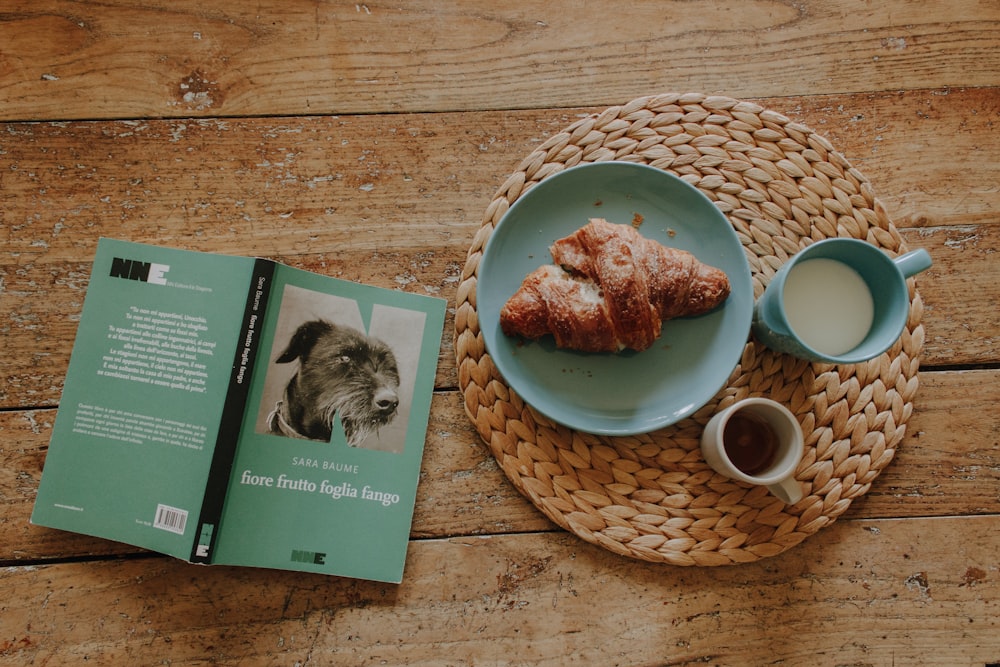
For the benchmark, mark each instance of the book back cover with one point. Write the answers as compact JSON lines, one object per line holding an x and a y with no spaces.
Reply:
{"x":139,"y":414}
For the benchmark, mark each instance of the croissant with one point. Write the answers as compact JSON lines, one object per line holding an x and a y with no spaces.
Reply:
{"x":609,"y":289}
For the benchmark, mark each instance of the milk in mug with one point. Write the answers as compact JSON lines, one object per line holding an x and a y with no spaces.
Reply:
{"x":828,"y":305}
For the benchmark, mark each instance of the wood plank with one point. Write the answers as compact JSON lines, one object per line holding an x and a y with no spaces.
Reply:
{"x":933,"y":156}
{"x":290,"y":186}
{"x":958,"y":292}
{"x":43,"y":302}
{"x":950,"y":457}
{"x":940,"y":470}
{"x":65,"y":59}
{"x":395,"y":201}
{"x":212,"y":180}
{"x":860,"y":593}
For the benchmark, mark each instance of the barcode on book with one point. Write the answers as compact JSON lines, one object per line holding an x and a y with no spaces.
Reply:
{"x":170,"y":518}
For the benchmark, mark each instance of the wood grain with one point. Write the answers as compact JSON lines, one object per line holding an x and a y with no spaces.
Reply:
{"x":364,"y":141}
{"x":298,"y":190}
{"x":234,"y":184}
{"x":862,"y":592}
{"x":66,"y":60}
{"x":947,"y":465}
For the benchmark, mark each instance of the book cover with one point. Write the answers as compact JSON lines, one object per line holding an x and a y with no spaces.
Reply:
{"x":233,"y":410}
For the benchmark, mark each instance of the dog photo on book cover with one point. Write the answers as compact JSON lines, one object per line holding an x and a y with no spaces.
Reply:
{"x":334,"y":377}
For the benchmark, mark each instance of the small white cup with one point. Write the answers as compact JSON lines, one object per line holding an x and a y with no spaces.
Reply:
{"x":765,"y":446}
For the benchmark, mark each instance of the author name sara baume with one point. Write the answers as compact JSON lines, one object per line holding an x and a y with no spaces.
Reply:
{"x":336,"y":466}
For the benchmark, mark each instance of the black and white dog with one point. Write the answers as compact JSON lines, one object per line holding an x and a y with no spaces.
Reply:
{"x":341,"y":372}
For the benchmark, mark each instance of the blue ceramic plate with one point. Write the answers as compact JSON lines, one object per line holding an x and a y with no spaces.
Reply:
{"x":627,"y":393}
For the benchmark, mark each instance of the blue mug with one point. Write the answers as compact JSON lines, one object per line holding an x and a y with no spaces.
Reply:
{"x":848,"y":308}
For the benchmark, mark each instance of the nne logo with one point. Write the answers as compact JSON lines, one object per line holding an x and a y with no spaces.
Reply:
{"x":133,"y":269}
{"x":308,"y":557}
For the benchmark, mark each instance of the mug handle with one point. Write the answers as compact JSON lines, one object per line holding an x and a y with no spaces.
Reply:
{"x":788,"y":490}
{"x":913,"y":262}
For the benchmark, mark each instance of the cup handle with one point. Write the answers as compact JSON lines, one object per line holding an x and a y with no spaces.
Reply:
{"x":913,"y":262}
{"x":788,"y":490}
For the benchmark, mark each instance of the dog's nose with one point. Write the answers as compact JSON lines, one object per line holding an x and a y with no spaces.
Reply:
{"x":386,"y":400}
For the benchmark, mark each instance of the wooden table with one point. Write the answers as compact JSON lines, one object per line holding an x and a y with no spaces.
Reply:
{"x":364,"y":141}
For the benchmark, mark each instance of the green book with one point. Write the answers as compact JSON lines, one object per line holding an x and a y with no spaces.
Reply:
{"x":237,"y":411}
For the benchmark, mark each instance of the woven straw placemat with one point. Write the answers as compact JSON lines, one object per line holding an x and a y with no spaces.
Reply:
{"x":652,"y":496}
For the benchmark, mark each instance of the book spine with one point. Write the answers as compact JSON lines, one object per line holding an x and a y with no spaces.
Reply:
{"x":232,"y":413}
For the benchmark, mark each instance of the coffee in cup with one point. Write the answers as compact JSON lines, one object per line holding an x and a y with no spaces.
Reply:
{"x":757,"y":441}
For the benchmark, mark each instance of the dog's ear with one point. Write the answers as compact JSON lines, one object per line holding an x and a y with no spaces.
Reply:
{"x":303,"y":340}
